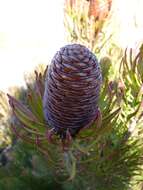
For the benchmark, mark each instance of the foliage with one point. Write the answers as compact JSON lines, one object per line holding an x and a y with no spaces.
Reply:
{"x":108,"y":154}
{"x":95,"y":32}
{"x":26,"y":169}
{"x":84,"y":27}
{"x":4,"y":112}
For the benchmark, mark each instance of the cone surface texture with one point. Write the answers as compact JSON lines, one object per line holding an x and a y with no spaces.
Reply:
{"x":72,"y":88}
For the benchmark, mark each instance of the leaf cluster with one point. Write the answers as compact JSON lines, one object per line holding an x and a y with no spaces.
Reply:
{"x":106,"y":155}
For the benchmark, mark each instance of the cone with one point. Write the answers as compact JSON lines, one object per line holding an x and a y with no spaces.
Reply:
{"x":72,"y":88}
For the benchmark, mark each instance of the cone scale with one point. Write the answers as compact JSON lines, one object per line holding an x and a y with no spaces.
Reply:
{"x":72,"y":88}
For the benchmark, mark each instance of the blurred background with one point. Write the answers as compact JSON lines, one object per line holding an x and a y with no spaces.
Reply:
{"x":32,"y":31}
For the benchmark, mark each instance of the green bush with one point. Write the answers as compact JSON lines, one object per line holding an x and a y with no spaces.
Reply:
{"x":108,"y":155}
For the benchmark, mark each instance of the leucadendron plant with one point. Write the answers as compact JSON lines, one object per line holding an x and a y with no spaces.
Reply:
{"x":85,"y":20}
{"x":88,"y":127}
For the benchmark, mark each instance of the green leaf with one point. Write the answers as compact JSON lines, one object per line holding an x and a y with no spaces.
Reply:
{"x":70,"y":163}
{"x":108,"y":118}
